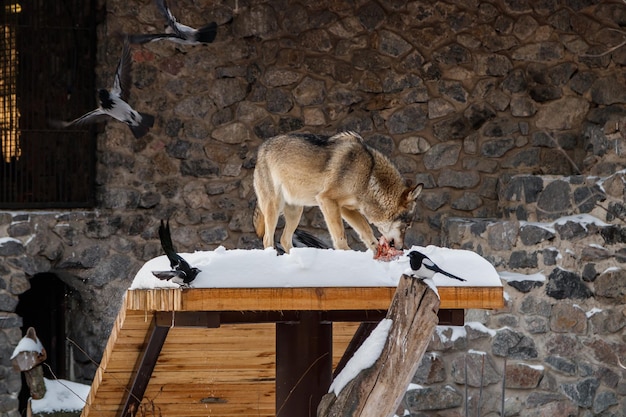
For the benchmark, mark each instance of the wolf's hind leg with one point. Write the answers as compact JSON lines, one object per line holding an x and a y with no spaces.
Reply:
{"x":271,"y":211}
{"x":332,"y":216}
{"x":292,"y":218}
{"x":361,"y":225}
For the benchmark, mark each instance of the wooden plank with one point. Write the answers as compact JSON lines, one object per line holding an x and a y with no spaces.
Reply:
{"x":301,"y":299}
{"x":118,"y":325}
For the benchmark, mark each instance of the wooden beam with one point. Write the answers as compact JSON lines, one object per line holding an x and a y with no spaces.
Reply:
{"x":299,"y":299}
{"x":143,"y":369}
{"x":187,"y":319}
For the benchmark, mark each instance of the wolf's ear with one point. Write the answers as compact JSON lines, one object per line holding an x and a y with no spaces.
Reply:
{"x":411,"y":193}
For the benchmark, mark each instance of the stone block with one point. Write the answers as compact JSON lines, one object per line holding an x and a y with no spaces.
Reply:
{"x":433,"y":398}
{"x":568,"y":318}
{"x":582,"y":392}
{"x":523,"y":376}
{"x":514,"y":345}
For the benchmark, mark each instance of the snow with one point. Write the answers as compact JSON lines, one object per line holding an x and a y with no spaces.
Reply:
{"x":593,"y":312}
{"x":450,"y":333}
{"x":479,"y":327}
{"x":453,"y":333}
{"x":26,"y":344}
{"x":412,"y":386}
{"x":514,"y":276}
{"x":311,"y":267}
{"x":365,"y":356}
{"x":4,"y":240}
{"x":583,"y":219}
{"x":61,"y":395}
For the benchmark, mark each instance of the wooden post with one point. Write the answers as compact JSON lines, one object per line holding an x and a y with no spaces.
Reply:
{"x":378,"y":390}
{"x":304,"y":363}
{"x":29,"y":362}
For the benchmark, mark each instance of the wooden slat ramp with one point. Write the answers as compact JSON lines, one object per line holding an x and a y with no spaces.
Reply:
{"x":229,"y":370}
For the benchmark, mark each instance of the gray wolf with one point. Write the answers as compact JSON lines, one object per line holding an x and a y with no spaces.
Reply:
{"x":340,"y":174}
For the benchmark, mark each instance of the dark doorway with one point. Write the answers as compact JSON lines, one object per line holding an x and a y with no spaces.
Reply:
{"x":43,"y":307}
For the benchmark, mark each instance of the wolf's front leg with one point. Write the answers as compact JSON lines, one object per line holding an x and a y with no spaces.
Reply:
{"x":362,"y":227}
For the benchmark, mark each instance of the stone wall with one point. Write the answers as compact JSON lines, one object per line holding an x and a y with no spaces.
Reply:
{"x":471,"y":98}
{"x":555,"y":348}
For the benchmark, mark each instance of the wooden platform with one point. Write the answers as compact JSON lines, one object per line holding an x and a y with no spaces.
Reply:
{"x":230,"y":370}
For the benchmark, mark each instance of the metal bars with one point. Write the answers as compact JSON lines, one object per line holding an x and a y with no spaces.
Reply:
{"x":47,"y":62}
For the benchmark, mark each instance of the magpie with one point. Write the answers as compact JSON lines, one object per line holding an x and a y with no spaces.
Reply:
{"x":423,"y":267}
{"x":302,"y":239}
{"x":113,"y":103}
{"x":182,"y":273}
{"x":177,"y":32}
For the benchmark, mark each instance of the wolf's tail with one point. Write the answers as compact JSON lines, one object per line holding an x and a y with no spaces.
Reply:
{"x":258,"y":220}
{"x":206,"y":34}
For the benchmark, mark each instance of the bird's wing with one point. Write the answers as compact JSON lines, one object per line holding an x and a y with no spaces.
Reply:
{"x":171,"y":20}
{"x":93,"y":116}
{"x":149,"y":37}
{"x":123,"y":77}
{"x":167,"y":275}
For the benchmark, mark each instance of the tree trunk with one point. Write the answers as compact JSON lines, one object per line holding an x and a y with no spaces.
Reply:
{"x":378,"y":390}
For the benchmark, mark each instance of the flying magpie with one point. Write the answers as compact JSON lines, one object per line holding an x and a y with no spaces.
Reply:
{"x":177,"y":32}
{"x":113,"y":103}
{"x":182,"y":273}
{"x":423,"y":267}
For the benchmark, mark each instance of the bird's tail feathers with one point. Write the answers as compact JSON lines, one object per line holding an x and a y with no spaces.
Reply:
{"x":207,"y":33}
{"x":452,"y":276}
{"x":147,"y":121}
{"x":306,"y":239}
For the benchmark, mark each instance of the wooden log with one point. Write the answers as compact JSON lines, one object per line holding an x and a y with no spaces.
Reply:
{"x":29,"y":362}
{"x":378,"y":390}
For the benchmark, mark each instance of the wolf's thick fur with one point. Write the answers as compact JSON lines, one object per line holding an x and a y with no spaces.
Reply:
{"x":340,"y":174}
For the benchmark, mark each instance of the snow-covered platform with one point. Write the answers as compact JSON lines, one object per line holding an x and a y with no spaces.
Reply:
{"x":229,"y":345}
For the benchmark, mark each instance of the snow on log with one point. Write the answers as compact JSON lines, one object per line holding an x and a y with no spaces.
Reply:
{"x":377,"y":388}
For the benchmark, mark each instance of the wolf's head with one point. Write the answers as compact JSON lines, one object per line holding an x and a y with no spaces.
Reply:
{"x":395,"y":229}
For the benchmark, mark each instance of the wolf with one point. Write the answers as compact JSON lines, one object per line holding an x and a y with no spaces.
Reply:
{"x":340,"y":174}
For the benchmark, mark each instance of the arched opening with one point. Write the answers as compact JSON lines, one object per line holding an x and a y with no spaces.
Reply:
{"x":43,"y":307}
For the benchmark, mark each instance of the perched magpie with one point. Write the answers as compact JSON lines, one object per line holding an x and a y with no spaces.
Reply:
{"x":423,"y":267}
{"x":182,"y":272}
{"x":113,"y":103}
{"x":302,"y":239}
{"x":177,"y":32}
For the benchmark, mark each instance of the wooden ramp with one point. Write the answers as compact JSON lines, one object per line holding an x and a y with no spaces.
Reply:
{"x":218,"y":356}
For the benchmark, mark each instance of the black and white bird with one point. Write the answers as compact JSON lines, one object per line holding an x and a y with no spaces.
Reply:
{"x":182,"y":273}
{"x":423,"y":267}
{"x":302,"y":239}
{"x":177,"y":32}
{"x":113,"y":102}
